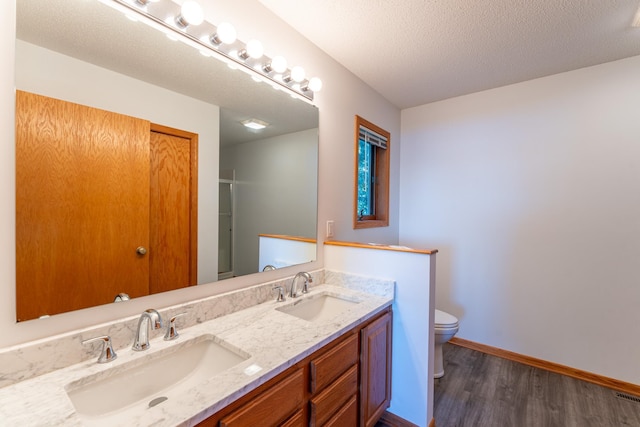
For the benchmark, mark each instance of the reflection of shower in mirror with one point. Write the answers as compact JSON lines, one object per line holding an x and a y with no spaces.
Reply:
{"x":225,"y":224}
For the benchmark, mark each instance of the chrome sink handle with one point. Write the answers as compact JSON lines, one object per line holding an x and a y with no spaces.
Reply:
{"x":280,"y":296}
{"x":172,"y":330}
{"x":107,"y":354}
{"x":307,"y":280}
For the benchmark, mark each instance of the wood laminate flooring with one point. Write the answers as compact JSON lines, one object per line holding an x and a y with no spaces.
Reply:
{"x":390,"y":420}
{"x":480,"y":390}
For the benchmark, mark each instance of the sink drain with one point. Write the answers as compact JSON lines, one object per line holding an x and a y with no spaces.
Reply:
{"x":157,"y":401}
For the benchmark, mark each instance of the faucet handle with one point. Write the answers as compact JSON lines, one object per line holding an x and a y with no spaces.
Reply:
{"x":107,"y":354}
{"x":305,"y":285}
{"x":280,"y":296}
{"x":172,"y":330}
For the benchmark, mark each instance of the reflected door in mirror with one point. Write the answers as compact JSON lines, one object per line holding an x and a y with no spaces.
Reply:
{"x":174,"y":208}
{"x":83,"y":206}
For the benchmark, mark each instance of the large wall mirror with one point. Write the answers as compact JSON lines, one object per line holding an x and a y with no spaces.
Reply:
{"x":243,"y":187}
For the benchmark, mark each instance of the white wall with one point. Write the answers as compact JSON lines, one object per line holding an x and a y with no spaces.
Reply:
{"x":271,"y":193}
{"x":342,"y":97}
{"x":49,"y":73}
{"x":281,"y":252}
{"x":7,"y":171}
{"x":413,"y":312}
{"x":532,"y":194}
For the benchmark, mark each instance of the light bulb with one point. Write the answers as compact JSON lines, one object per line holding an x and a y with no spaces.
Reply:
{"x":190,"y":14}
{"x":297,"y":74}
{"x":226,"y":33}
{"x":279,"y":64}
{"x":315,"y":84}
{"x":254,"y":49}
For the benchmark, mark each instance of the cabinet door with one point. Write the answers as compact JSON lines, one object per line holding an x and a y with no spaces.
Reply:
{"x":375,"y":363}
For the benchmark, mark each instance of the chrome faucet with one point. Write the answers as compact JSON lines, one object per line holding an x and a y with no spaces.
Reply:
{"x":305,"y":287}
{"x":149,"y":320}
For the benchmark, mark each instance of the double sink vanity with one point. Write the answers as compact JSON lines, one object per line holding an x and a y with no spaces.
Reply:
{"x":320,"y":358}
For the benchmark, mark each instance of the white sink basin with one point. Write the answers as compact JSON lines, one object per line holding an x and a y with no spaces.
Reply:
{"x":318,"y":308}
{"x":147,"y":382}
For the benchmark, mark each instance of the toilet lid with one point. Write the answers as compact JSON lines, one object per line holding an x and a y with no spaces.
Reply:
{"x":445,"y":319}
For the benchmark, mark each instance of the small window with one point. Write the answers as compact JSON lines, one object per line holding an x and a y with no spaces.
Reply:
{"x":372,"y":175}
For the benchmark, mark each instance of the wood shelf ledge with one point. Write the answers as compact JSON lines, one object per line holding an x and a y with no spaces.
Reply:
{"x":285,"y":237}
{"x":381,"y":247}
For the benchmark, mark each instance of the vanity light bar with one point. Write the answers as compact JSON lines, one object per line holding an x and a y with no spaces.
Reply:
{"x":169,"y":18}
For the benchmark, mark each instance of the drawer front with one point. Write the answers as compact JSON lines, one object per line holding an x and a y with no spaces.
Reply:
{"x":326,"y":368}
{"x":346,"y":416}
{"x":271,"y":407}
{"x":297,"y":420}
{"x":327,"y":402}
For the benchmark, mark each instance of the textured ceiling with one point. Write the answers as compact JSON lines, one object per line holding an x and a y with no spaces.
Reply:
{"x":418,"y":51}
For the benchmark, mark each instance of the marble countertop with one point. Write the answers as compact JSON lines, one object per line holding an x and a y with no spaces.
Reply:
{"x":273,"y":340}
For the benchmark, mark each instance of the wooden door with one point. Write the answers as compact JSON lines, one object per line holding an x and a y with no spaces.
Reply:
{"x":82,"y":205}
{"x":173,"y":221}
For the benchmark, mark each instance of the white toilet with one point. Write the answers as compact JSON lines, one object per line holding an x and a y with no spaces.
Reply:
{"x":445,"y":328}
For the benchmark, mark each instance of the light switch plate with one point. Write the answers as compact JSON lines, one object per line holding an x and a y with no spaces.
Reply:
{"x":330,"y":229}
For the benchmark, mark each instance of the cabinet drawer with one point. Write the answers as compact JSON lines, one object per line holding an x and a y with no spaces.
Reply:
{"x":327,"y":402}
{"x":271,"y":407}
{"x":296,"y":420}
{"x":346,"y":416}
{"x":326,"y":368}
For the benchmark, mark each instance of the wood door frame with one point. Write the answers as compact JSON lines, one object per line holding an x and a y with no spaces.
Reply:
{"x":193,"y":193}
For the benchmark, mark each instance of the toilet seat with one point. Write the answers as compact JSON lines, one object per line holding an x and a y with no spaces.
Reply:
{"x":445,"y":320}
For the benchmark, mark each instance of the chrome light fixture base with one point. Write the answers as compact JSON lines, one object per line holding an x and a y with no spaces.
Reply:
{"x":205,"y":38}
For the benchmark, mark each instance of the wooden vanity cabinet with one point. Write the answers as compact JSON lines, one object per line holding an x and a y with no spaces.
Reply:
{"x":272,"y":407}
{"x":296,"y":420}
{"x":335,"y":361}
{"x":333,"y":398}
{"x":346,"y":416}
{"x":375,"y":370}
{"x":278,"y":402}
{"x":345,"y":383}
